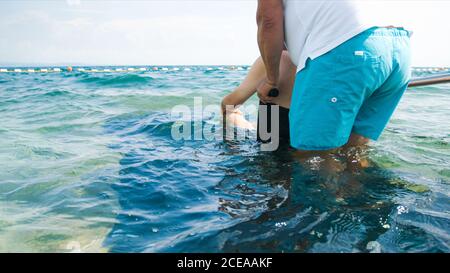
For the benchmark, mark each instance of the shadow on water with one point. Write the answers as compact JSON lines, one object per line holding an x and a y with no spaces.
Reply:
{"x":203,"y":196}
{"x":319,"y":214}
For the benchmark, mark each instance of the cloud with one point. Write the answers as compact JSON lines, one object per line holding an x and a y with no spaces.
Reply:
{"x":73,"y":2}
{"x":158,"y":40}
{"x":183,"y":32}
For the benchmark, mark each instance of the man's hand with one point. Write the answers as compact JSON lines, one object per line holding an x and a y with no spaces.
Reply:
{"x":264,"y":89}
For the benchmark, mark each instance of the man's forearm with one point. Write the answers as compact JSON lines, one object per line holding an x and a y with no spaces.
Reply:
{"x":270,"y":36}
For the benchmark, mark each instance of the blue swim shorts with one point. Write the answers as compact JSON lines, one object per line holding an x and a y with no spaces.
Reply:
{"x":353,"y":88}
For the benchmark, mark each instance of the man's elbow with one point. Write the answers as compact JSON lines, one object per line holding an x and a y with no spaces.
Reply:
{"x":268,"y":21}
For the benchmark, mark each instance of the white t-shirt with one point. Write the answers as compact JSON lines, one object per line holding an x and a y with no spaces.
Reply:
{"x":312,"y":28}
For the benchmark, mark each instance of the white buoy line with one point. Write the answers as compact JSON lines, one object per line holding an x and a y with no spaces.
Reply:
{"x":161,"y":68}
{"x":430,"y":69}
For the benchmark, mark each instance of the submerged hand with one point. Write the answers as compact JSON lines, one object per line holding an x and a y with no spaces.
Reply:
{"x":264,"y":89}
{"x":237,"y":119}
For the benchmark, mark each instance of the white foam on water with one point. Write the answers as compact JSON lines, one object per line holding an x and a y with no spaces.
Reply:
{"x":74,"y":247}
{"x":57,"y":69}
{"x":17,"y":70}
{"x":3,"y":70}
{"x":142,"y":69}
{"x":402,"y":209}
{"x":373,"y":247}
{"x":44,"y":70}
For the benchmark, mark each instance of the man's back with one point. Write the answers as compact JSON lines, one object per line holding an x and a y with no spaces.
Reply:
{"x":312,"y":28}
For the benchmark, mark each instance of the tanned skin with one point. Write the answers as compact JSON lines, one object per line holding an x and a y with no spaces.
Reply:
{"x":270,"y":21}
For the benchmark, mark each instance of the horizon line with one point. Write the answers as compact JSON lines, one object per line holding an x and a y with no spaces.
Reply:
{"x":10,"y":65}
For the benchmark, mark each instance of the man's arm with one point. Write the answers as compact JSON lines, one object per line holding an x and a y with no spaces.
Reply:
{"x":248,"y":86}
{"x":270,"y":18}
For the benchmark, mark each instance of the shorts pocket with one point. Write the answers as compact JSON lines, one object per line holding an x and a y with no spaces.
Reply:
{"x":354,"y":77}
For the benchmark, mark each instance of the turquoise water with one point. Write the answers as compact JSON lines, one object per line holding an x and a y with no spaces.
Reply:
{"x":87,"y":163}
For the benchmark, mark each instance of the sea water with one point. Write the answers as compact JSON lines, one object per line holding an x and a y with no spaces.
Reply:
{"x":88,"y":164}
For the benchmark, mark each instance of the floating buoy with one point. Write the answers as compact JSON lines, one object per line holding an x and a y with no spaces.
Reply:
{"x":155,"y":69}
{"x":69,"y":69}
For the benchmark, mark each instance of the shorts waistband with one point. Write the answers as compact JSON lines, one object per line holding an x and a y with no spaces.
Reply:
{"x":388,"y":31}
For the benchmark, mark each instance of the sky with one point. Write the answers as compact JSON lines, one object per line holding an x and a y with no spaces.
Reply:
{"x":182,"y":32}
